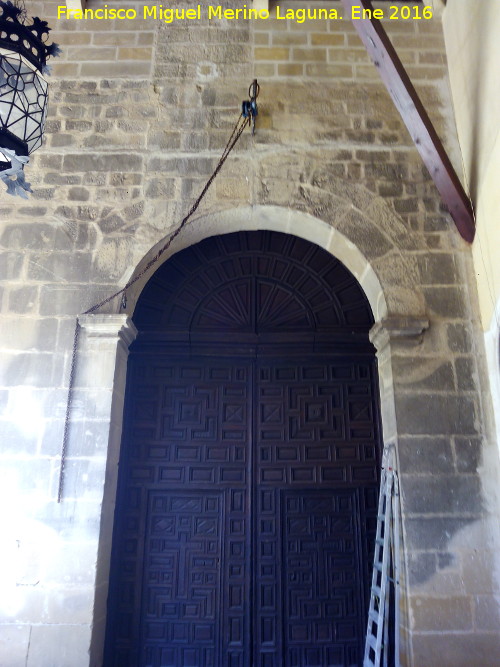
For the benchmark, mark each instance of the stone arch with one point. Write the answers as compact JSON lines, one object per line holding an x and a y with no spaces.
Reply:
{"x":369,"y":241}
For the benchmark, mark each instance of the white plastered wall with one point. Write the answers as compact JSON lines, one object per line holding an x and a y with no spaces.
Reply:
{"x":471,"y":29}
{"x":492,"y":347}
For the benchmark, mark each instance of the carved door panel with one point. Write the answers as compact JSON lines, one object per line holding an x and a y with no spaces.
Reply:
{"x":248,"y":504}
{"x":182,"y":580}
{"x":316,"y":498}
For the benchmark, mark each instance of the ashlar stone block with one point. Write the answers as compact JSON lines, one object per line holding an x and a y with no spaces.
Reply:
{"x":459,"y":649}
{"x":441,"y":494}
{"x":433,"y":533}
{"x":11,"y":264}
{"x":438,"y":614}
{"x":424,"y":373}
{"x":14,"y":642}
{"x":426,"y":455}
{"x":57,"y":645}
{"x":436,"y":414}
{"x":487,"y":612}
{"x":468,"y":453}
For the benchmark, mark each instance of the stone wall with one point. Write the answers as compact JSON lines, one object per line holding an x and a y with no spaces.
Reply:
{"x":139,"y":113}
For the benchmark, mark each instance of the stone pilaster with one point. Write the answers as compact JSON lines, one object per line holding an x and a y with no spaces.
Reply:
{"x":396,"y":335}
{"x":100,"y":386}
{"x":393,"y":334}
{"x":79,"y":557}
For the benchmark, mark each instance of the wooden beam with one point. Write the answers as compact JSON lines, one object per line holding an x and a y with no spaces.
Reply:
{"x":415,"y":117}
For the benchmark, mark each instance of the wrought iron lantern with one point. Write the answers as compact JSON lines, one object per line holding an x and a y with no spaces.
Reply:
{"x":23,"y":91}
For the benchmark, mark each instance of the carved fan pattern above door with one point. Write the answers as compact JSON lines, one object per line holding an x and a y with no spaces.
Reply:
{"x":258,"y":285}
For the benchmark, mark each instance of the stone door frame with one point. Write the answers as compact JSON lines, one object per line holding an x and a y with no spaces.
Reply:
{"x":101,"y":377}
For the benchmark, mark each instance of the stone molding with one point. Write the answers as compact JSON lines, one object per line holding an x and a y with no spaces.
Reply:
{"x":261,"y":5}
{"x":76,"y":4}
{"x":438,"y":6}
{"x":406,"y":330}
{"x":109,"y":326}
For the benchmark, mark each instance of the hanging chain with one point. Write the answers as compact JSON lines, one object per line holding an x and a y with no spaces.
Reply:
{"x":238,"y":129}
{"x":69,"y":405}
{"x":236,"y":134}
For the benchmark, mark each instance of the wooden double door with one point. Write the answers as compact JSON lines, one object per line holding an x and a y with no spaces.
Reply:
{"x":246,"y":513}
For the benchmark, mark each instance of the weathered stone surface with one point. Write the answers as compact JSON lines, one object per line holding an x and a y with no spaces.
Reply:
{"x":426,"y":455}
{"x":14,"y":642}
{"x":11,"y":264}
{"x":421,"y":567}
{"x":365,"y":236}
{"x":161,"y":188}
{"x":23,"y":300}
{"x":424,"y":373}
{"x":468,"y":453}
{"x":66,"y":300}
{"x":81,"y":162}
{"x":441,"y":494}
{"x":466,"y":373}
{"x":457,"y":649}
{"x":78,"y":194}
{"x":32,"y":475}
{"x":84,"y":477}
{"x":433,"y":533}
{"x":446,"y":301}
{"x":487,"y":612}
{"x":17,"y":439}
{"x":459,"y":338}
{"x":37,"y":236}
{"x":436,"y":415}
{"x":61,"y":266}
{"x":478,"y":569}
{"x":441,"y":614}
{"x":37,"y":369}
{"x":52,"y":645}
{"x":437,"y":269}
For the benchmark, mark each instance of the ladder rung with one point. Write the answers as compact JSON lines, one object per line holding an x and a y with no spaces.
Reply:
{"x":384,"y":571}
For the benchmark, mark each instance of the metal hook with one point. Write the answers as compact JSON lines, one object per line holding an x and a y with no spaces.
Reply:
{"x":254,"y":90}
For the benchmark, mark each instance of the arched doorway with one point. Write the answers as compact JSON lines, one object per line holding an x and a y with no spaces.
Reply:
{"x":248,"y":483}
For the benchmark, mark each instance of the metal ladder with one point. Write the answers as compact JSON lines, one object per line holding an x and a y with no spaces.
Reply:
{"x":386,"y":568}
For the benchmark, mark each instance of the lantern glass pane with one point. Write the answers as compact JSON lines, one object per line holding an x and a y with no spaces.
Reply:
{"x":23,"y":93}
{"x":23,"y":99}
